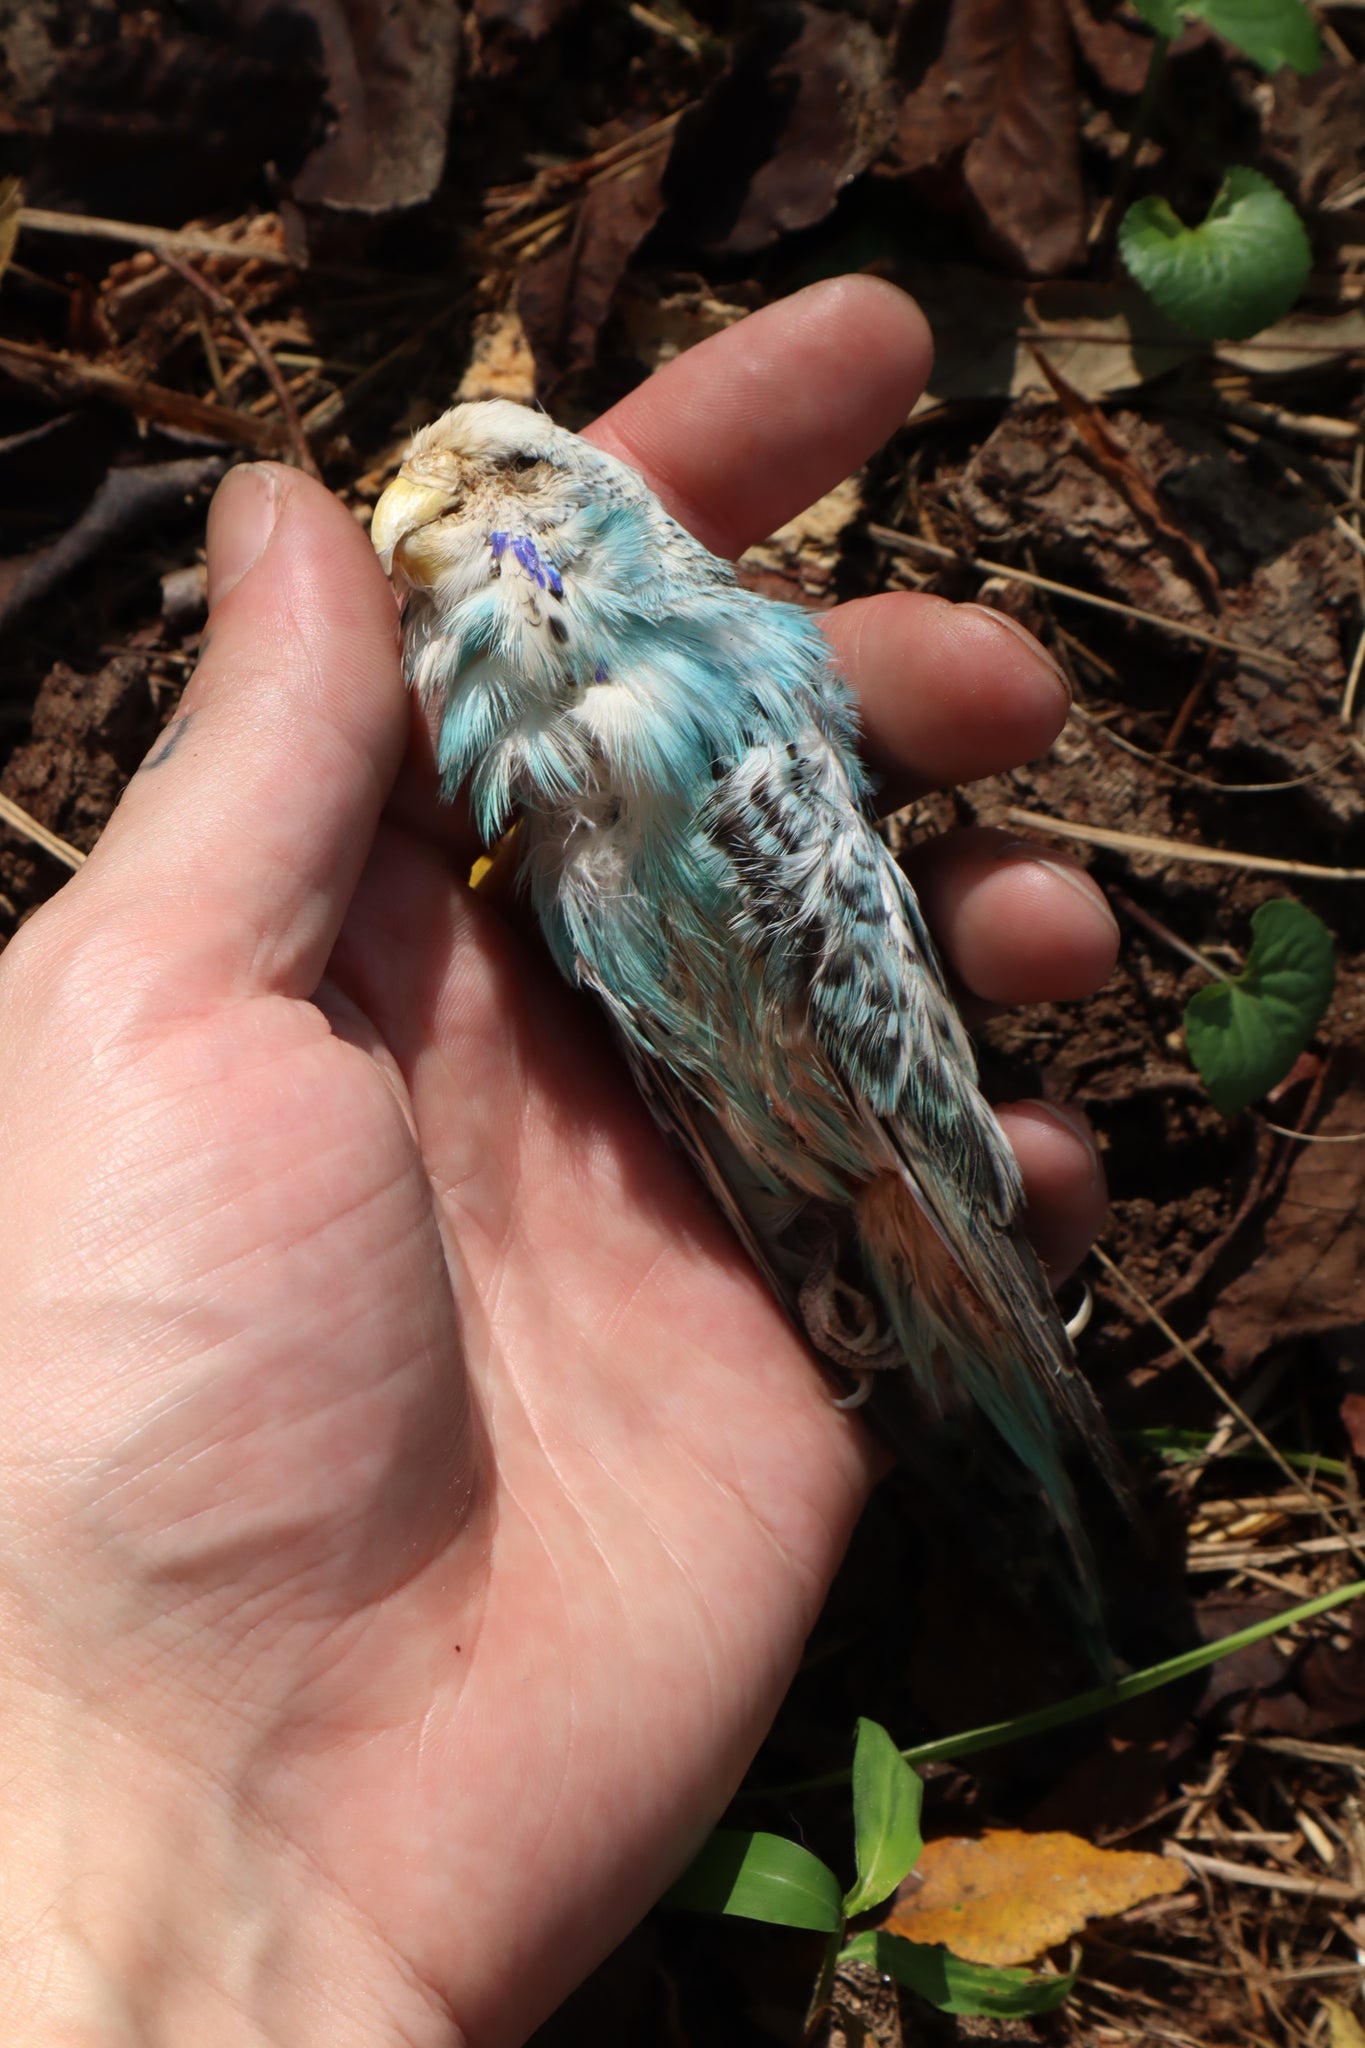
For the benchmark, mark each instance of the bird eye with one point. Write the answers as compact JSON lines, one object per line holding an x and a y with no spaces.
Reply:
{"x":522,"y":461}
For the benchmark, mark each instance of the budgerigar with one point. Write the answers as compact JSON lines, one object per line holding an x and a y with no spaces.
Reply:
{"x":681,"y":755}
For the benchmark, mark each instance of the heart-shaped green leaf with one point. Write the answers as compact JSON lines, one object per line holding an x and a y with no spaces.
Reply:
{"x":954,"y":1986}
{"x":887,"y":1796}
{"x":1237,"y":272}
{"x":1164,"y":15}
{"x":760,"y":1877}
{"x":1271,"y":32}
{"x":1245,"y":1035}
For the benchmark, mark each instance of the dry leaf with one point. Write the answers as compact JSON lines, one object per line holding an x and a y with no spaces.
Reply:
{"x":1008,"y":1897}
{"x":1117,"y":54}
{"x":996,"y":115}
{"x":1308,"y":1280}
{"x":390,"y":67}
{"x":1102,"y":338}
{"x":802,"y":108}
{"x":563,"y":298}
{"x":1343,"y":2028}
{"x":11,"y":199}
{"x":800,"y":561}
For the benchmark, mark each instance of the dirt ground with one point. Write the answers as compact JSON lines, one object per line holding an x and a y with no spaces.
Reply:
{"x":377,"y":207}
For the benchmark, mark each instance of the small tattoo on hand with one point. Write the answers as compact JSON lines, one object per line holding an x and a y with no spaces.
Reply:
{"x":168,"y":742}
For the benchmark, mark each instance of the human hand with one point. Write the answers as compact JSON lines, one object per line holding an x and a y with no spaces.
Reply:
{"x":412,"y":1505}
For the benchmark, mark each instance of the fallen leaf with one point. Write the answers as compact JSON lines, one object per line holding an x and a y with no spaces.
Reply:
{"x":996,"y":117}
{"x":1117,"y":54}
{"x":1343,"y":2028}
{"x":11,"y":198}
{"x":1007,"y":1897}
{"x":657,"y":325}
{"x":802,"y":108}
{"x":150,"y":122}
{"x":564,"y":298}
{"x":390,"y":68}
{"x":1309,"y":1277}
{"x":1312,"y":1692}
{"x":799,"y":562}
{"x":1102,"y":338}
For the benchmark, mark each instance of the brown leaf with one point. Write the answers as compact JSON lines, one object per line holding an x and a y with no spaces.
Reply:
{"x":1309,"y":1278}
{"x":1353,"y":1421}
{"x":151,"y":122}
{"x":1008,"y":1897}
{"x":565,"y":297}
{"x":1117,"y":54}
{"x":998,"y":111}
{"x":390,"y":67}
{"x":802,"y":108}
{"x":11,"y":199}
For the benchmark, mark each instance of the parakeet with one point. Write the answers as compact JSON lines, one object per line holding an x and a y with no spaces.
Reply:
{"x":697,"y":840}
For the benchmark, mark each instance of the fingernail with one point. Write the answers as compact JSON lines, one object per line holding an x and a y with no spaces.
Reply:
{"x":241,"y":520}
{"x":1028,"y":640}
{"x":1076,"y":879}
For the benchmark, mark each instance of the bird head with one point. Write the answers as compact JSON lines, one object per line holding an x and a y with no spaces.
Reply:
{"x":480,"y":466}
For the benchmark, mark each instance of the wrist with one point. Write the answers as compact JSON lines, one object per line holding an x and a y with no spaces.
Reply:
{"x":141,"y":1907}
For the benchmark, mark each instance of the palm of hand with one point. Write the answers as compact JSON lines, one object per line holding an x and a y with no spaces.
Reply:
{"x":384,"y":1583}
{"x":430,"y":1486}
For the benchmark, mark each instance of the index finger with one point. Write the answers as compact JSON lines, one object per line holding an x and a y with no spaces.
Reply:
{"x":744,"y":431}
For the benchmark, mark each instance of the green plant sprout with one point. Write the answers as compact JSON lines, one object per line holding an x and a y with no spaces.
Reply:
{"x":751,"y":1875}
{"x":756,"y":1876}
{"x":1245,"y":1032}
{"x":1246,"y":262}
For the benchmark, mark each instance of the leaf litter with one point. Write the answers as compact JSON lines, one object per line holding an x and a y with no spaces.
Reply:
{"x":515,"y":203}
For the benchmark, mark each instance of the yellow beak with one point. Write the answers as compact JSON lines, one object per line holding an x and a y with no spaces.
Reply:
{"x":405,"y":507}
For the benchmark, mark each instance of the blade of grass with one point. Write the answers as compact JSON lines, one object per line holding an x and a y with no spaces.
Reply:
{"x":1096,"y":1701}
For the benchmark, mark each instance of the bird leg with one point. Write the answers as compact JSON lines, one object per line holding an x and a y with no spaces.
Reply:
{"x":842,"y":1324}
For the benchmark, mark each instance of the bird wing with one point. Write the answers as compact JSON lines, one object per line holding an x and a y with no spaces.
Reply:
{"x":845,"y":947}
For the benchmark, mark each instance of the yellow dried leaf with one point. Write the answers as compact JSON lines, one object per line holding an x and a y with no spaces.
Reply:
{"x":1008,"y":1896}
{"x":1343,"y":2028}
{"x":11,"y":200}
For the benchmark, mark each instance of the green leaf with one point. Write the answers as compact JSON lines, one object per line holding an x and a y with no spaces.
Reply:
{"x":1272,"y":33}
{"x":887,"y":1796}
{"x":954,"y":1986}
{"x":1237,"y":272}
{"x":1245,"y":1035}
{"x":760,"y":1877}
{"x":1163,"y":15}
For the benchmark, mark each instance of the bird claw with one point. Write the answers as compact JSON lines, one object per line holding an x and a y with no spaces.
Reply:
{"x":1080,"y":1321}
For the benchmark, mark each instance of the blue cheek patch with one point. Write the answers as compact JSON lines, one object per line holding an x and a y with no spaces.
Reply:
{"x":527,"y":556}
